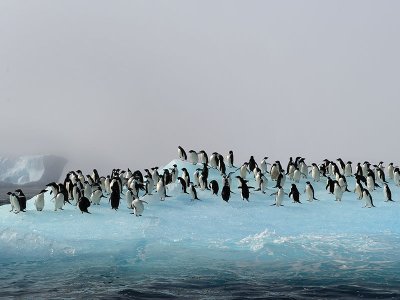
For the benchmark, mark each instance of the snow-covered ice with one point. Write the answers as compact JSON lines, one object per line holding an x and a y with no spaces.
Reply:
{"x":317,"y":241}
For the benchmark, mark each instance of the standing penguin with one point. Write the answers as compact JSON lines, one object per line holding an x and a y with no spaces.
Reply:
{"x":245,"y":192}
{"x":138,"y":207}
{"x":96,"y":196}
{"x":21,"y":199}
{"x":213,"y":185}
{"x":193,"y":192}
{"x":84,"y":204}
{"x":229,"y":159}
{"x":330,"y":185}
{"x":39,"y":201}
{"x":129,"y":197}
{"x":337,"y":191}
{"x":193,"y":157}
{"x":295,"y":194}
{"x":203,"y":157}
{"x":368,"y":199}
{"x":390,"y":170}
{"x":186,"y":176}
{"x":387,"y":192}
{"x":115,"y":196}
{"x":161,"y":189}
{"x":252,"y":164}
{"x":183,"y":184}
{"x":226,"y":192}
{"x":14,"y":203}
{"x":309,"y":190}
{"x":359,"y":189}
{"x":181,"y":153}
{"x":348,"y":171}
{"x":274,"y":171}
{"x":279,"y":194}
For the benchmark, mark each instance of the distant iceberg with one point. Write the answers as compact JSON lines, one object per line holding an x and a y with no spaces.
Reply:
{"x":31,"y":169}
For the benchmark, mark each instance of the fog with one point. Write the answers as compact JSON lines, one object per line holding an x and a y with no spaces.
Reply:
{"x":117,"y":84}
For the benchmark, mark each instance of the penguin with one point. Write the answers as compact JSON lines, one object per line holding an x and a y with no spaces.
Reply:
{"x":262,"y":182}
{"x":341,"y":163}
{"x":337,"y":191}
{"x":371,"y":181}
{"x":39,"y":201}
{"x":193,"y":192}
{"x":161,"y":189}
{"x":309,"y":190}
{"x":167,"y":177}
{"x":213,"y":162}
{"x":59,"y":201}
{"x":107,"y":184}
{"x":359,"y":170}
{"x":274,"y":171}
{"x":296,"y":175}
{"x":115,"y":196}
{"x":396,"y":176}
{"x":348,"y":170}
{"x":264,"y":165}
{"x":149,"y":184}
{"x":213,"y":185}
{"x":154,"y":175}
{"x":359,"y":189}
{"x":315,"y":172}
{"x":381,"y":175}
{"x":243,"y":170}
{"x":295,"y":194}
{"x":183,"y":184}
{"x":193,"y":157}
{"x":252,"y":164}
{"x":368,"y":199}
{"x":84,"y":204}
{"x":245,"y":193}
{"x":221,"y":165}
{"x":226,"y":192}
{"x":138,"y":207}
{"x":229,"y":159}
{"x":96,"y":196}
{"x":87,"y":191}
{"x":203,"y":157}
{"x":196,"y":175}
{"x":390,"y":170}
{"x":330,"y":185}
{"x":21,"y":199}
{"x":181,"y":153}
{"x":280,"y":181}
{"x":76,"y":194}
{"x":185,"y":176}
{"x":129,"y":197}
{"x":14,"y":203}
{"x":387,"y":192}
{"x":203,"y":182}
{"x":343,"y":183}
{"x":278,"y":196}
{"x":174,"y":173}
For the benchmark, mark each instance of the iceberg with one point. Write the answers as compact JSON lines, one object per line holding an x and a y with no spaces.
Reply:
{"x":207,"y":247}
{"x":31,"y":169}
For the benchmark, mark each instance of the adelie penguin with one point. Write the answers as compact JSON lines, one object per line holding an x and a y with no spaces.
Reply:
{"x":279,"y":194}
{"x":295,"y":194}
{"x":193,"y":192}
{"x":245,"y":192}
{"x":115,"y":196}
{"x":368,"y":199}
{"x":226,"y":192}
{"x":309,"y":190}
{"x":21,"y":199}
{"x":138,"y":207}
{"x":181,"y":153}
{"x":387,"y":192}
{"x":39,"y":201}
{"x":183,"y":184}
{"x":214,"y":187}
{"x":84,"y":204}
{"x":193,"y":157}
{"x":14,"y":203}
{"x":229,"y":159}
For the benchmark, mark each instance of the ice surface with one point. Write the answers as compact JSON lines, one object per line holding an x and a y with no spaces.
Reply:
{"x":179,"y":232}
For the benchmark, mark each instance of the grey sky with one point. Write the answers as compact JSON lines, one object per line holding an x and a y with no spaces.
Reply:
{"x":123,"y":83}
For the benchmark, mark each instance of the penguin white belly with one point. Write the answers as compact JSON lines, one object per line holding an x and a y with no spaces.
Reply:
{"x":138,"y":207}
{"x":39,"y":202}
{"x":59,"y":201}
{"x":309,"y":193}
{"x":370,"y":184}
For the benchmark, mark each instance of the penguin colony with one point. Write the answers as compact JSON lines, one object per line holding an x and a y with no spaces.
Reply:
{"x":83,"y":191}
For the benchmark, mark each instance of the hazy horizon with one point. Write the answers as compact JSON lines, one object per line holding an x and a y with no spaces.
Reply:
{"x":122,"y":83}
